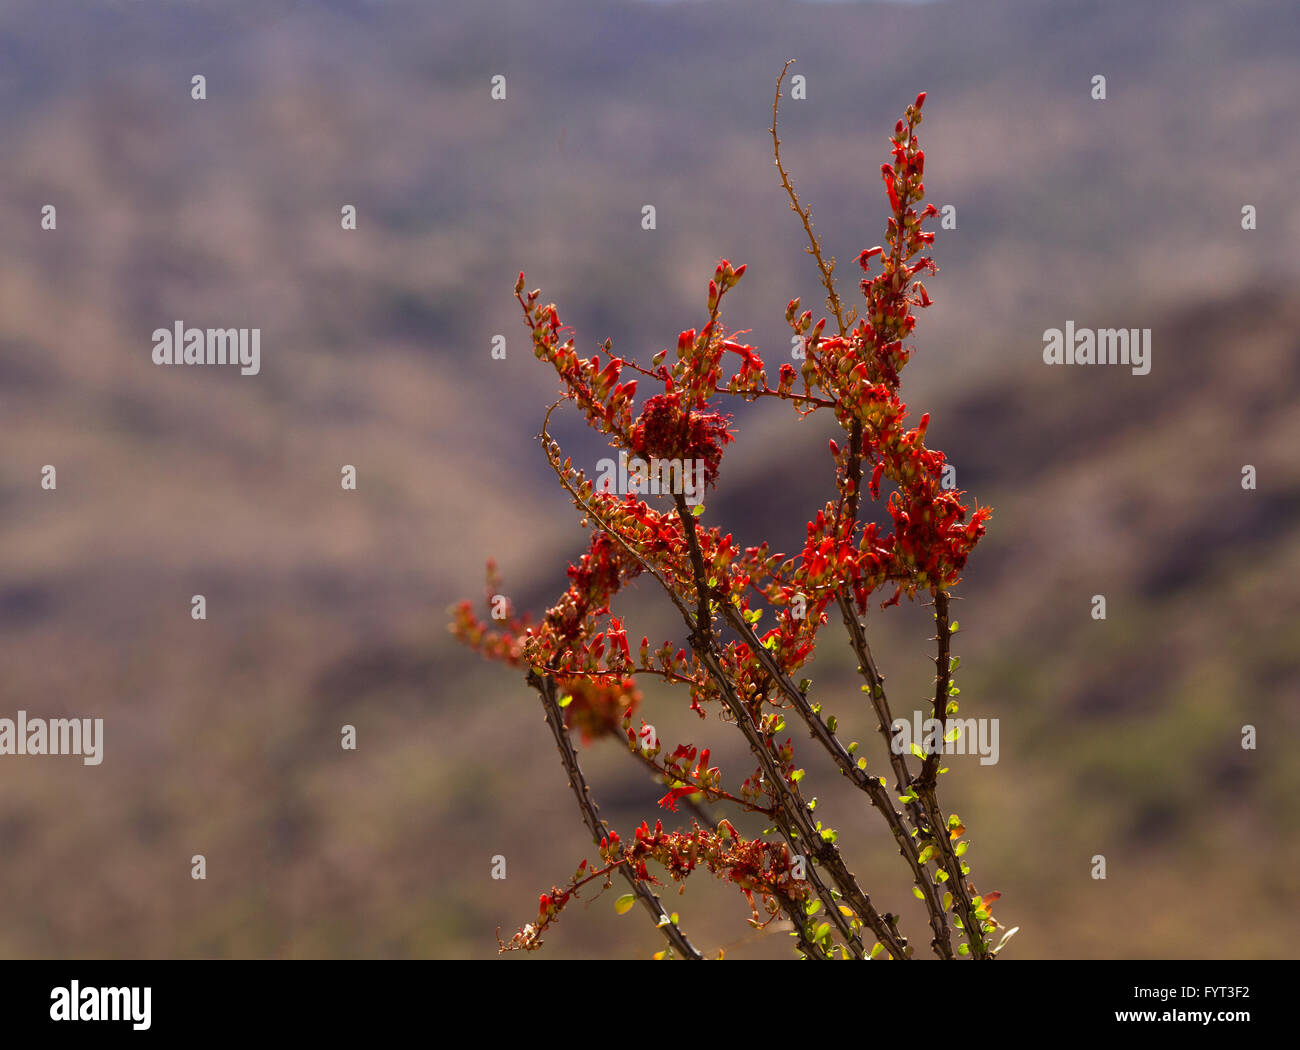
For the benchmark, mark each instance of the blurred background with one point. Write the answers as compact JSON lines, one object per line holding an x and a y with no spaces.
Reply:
{"x":325,"y":607}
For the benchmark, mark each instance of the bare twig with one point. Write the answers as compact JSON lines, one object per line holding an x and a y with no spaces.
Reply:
{"x":827,"y":270}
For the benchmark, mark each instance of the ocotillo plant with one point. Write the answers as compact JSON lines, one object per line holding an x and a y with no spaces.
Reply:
{"x":579,"y":660}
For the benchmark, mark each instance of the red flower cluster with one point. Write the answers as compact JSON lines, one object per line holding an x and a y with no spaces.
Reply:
{"x":667,"y":429}
{"x":756,"y":867}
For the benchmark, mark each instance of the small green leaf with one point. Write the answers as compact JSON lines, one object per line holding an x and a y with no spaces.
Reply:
{"x":862,"y":763}
{"x":954,"y":628}
{"x":917,"y":751}
{"x":962,"y":847}
{"x":700,"y":510}
{"x":797,"y":775}
{"x":625,"y":903}
{"x":947,"y":900}
{"x":565,"y":701}
{"x":876,"y":949}
{"x":916,"y":891}
{"x":963,"y":949}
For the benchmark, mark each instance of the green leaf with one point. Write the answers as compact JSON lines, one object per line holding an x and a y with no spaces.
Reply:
{"x":963,"y":949}
{"x":862,"y":763}
{"x":962,"y":847}
{"x":853,"y":747}
{"x":797,"y":775}
{"x":876,"y":949}
{"x":625,"y":903}
{"x":565,"y":701}
{"x":916,"y":891}
{"x":813,"y":908}
{"x":947,"y":900}
{"x":918,"y":751}
{"x":700,"y":510}
{"x":954,"y":628}
{"x":822,"y":932}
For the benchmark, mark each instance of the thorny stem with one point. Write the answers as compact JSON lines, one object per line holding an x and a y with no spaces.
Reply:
{"x":794,"y":815}
{"x":925,"y":785}
{"x":941,"y":942}
{"x":737,"y":709}
{"x":792,"y":908}
{"x":545,"y":687}
{"x":872,"y":786}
